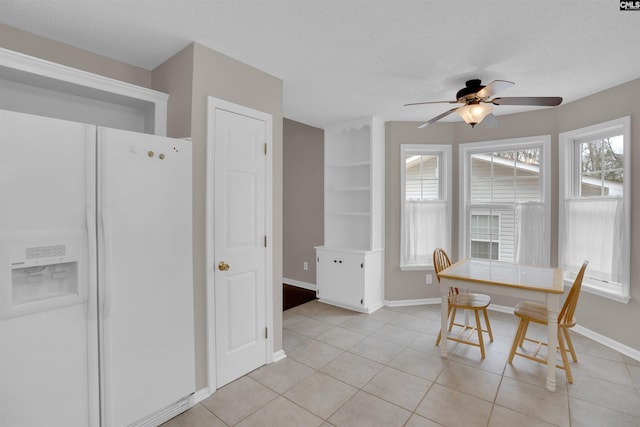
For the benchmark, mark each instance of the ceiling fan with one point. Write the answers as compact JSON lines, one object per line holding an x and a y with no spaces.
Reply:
{"x":477,"y":99}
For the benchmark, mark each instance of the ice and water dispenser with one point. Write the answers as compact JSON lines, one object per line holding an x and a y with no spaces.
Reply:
{"x":43,"y":278}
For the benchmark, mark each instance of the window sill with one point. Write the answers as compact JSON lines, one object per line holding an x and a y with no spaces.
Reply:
{"x":416,"y":267}
{"x":594,"y":290}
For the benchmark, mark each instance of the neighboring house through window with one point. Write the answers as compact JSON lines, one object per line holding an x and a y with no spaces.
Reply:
{"x":484,"y":227}
{"x":426,"y":203}
{"x":504,"y":206}
{"x":595,"y":200}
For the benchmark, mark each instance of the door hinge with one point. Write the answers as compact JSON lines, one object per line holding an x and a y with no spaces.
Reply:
{"x":362,"y":265}
{"x":265,"y":148}
{"x":266,"y":333}
{"x":361,"y":301}
{"x":265,"y":241}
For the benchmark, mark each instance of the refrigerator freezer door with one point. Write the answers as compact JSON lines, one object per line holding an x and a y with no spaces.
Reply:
{"x":145,"y":274}
{"x":48,"y":327}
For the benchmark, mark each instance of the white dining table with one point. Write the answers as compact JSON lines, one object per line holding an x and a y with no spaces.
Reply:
{"x":541,"y":284}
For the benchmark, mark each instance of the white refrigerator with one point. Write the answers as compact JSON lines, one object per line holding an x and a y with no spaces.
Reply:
{"x":96,"y":289}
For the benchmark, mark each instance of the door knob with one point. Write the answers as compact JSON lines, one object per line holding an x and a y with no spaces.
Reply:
{"x":223,"y":266}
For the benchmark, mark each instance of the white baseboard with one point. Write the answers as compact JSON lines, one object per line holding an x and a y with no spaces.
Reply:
{"x":501,"y":308}
{"x":601,"y":339}
{"x":201,"y":395}
{"x":409,"y":302}
{"x":279,"y":355}
{"x":300,"y":284}
{"x":612,"y":344}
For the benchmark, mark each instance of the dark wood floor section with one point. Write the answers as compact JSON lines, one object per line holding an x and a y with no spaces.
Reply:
{"x":293,"y":296}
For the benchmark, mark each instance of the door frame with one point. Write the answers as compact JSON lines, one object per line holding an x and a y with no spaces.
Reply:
{"x":213,"y":104}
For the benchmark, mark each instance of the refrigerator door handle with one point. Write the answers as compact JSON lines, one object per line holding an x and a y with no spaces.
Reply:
{"x":93,"y":251}
{"x":106,"y":261}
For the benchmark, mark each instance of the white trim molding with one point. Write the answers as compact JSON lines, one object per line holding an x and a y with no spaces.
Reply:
{"x":278,"y":356}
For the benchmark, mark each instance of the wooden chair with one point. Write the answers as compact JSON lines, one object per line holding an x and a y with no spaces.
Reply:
{"x":465,"y":301}
{"x":535,"y":312}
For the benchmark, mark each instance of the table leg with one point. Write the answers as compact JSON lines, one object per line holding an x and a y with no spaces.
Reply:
{"x":444,"y":315}
{"x":553,"y":309}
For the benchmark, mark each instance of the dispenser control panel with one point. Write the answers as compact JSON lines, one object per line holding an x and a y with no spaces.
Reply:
{"x":46,"y":251}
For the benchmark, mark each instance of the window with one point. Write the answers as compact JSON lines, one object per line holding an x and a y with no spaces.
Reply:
{"x":505,"y":210}
{"x":595,"y":199}
{"x":425,"y":205}
{"x":484,"y":230}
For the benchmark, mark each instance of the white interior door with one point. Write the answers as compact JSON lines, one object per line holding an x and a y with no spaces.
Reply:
{"x":238,"y":263}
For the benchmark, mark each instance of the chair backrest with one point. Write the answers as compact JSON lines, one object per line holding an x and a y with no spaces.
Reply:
{"x":569,"y":308}
{"x":440,"y":261}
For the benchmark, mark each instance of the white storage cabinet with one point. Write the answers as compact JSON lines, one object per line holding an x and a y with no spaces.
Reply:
{"x":350,"y":264}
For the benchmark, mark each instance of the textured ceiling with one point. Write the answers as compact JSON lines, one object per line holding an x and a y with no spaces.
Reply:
{"x":341,"y":59}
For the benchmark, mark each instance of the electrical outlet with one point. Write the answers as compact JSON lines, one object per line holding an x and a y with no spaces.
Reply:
{"x":305,"y":265}
{"x":429,"y":279}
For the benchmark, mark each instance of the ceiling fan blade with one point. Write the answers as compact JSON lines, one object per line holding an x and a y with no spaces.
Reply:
{"x":494,"y":87}
{"x":431,"y":102}
{"x":436,"y":118}
{"x":490,"y":121}
{"x":541,"y":101}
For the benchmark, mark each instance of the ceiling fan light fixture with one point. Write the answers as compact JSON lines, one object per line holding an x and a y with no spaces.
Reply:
{"x":474,"y":113}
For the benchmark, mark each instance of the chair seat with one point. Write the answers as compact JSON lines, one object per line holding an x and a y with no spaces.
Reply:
{"x":532,"y":311}
{"x":470,"y":301}
{"x":536,"y":312}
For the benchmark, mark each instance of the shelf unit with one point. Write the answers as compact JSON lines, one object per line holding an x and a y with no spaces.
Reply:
{"x":350,"y":264}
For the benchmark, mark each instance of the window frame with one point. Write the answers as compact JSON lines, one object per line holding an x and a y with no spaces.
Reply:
{"x":543,"y":142}
{"x":444,"y":152}
{"x":568,"y":179}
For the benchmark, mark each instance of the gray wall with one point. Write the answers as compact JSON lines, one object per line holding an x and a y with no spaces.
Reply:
{"x":190,"y":77}
{"x":612,"y":319}
{"x":303,"y":199}
{"x":51,"y":50}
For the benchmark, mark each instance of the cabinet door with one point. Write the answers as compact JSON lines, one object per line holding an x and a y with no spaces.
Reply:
{"x":340,"y":278}
{"x":352,"y":279}
{"x":327,"y":277}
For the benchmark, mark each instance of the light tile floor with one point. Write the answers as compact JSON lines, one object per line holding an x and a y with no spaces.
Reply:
{"x":351,"y":369}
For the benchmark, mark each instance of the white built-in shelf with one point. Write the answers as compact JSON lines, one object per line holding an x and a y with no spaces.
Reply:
{"x":350,"y":264}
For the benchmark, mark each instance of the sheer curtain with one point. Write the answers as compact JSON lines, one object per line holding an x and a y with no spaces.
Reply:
{"x":593,"y":232}
{"x":426,"y":229}
{"x":531,"y":240}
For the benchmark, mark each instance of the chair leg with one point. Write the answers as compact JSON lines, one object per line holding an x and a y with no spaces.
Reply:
{"x":452,"y":316}
{"x":479,"y":329}
{"x":440,"y":331}
{"x":525,"y":327}
{"x":565,"y":359}
{"x":570,"y":344}
{"x":486,"y":320}
{"x":517,"y":339}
